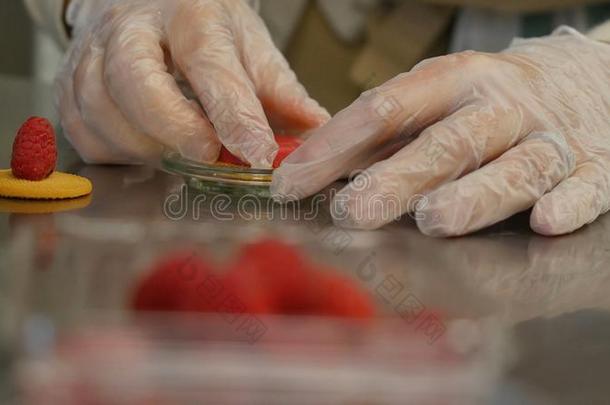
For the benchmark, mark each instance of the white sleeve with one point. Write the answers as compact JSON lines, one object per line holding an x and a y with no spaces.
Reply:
{"x":48,"y":14}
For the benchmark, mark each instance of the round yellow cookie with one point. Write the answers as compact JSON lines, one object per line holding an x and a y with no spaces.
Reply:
{"x":58,"y":186}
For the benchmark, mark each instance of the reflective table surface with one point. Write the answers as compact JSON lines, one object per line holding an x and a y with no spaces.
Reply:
{"x":553,"y":293}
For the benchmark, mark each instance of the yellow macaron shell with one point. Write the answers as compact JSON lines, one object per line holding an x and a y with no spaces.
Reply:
{"x":58,"y":186}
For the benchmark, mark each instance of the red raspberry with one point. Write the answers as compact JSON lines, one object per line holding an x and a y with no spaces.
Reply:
{"x":283,"y":271}
{"x":246,"y":292}
{"x":229,"y":158}
{"x":268,"y":277}
{"x":287,"y":144}
{"x":232,"y":293}
{"x":171,"y":283}
{"x":344,"y":298}
{"x":34,"y":150}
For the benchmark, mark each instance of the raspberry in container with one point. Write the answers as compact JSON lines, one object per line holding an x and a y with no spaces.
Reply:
{"x":230,"y":175}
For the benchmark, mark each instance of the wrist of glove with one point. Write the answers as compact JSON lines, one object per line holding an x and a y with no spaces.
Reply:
{"x":466,"y":140}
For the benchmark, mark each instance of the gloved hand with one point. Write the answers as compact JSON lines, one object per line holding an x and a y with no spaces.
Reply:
{"x":120,"y":97}
{"x":481,"y":136}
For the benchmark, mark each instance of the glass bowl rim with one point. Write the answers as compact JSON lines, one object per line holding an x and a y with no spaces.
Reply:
{"x":175,"y":163}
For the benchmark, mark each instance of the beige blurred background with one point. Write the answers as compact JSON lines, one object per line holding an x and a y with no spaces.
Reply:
{"x":336,"y":67}
{"x":25,"y":51}
{"x":16,"y":39}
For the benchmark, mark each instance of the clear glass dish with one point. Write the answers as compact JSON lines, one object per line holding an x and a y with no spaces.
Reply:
{"x":219,"y":178}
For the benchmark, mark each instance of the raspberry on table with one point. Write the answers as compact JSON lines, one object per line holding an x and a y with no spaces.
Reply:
{"x":34,"y":150}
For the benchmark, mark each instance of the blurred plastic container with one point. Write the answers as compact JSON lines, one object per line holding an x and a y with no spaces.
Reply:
{"x":81,"y":342}
{"x":296,"y":361}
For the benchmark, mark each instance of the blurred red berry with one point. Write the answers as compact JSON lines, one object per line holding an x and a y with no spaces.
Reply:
{"x":283,"y":271}
{"x":268,"y":277}
{"x":344,"y":298}
{"x":171,"y":283}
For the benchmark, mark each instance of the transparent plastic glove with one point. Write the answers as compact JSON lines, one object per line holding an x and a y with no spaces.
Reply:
{"x":481,"y":136}
{"x":123,"y":92}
